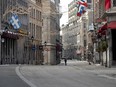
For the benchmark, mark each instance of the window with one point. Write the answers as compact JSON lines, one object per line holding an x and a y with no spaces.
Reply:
{"x":38,"y":1}
{"x":53,"y":1}
{"x":23,"y":3}
{"x":114,"y":2}
{"x":89,"y":6}
{"x":84,"y":25}
{"x":89,"y":1}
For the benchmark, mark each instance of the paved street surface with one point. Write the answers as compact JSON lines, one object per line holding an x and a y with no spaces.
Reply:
{"x":75,"y":74}
{"x":9,"y":78}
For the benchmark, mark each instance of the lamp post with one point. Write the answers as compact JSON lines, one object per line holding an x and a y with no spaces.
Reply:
{"x":33,"y":49}
{"x":45,"y":50}
{"x":32,"y":38}
{"x":45,"y":43}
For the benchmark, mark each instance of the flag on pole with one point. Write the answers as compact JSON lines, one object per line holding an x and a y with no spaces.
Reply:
{"x":81,"y":5}
{"x":15,"y":21}
{"x":83,"y":2}
{"x":107,"y":4}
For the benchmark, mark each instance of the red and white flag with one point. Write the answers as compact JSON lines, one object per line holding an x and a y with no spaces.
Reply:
{"x":107,"y":4}
{"x":81,"y":5}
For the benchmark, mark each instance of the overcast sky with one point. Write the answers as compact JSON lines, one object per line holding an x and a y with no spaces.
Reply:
{"x":64,"y":9}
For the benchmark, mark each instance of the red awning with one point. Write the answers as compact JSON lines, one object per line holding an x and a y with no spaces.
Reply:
{"x":104,"y":27}
{"x":112,"y":25}
{"x":99,"y":30}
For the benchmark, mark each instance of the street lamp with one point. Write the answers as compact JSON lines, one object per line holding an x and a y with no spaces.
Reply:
{"x":32,"y":38}
{"x":2,"y":40}
{"x":45,"y":43}
{"x":46,"y":51}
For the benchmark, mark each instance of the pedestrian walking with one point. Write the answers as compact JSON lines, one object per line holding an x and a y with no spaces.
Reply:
{"x":65,"y":61}
{"x":89,"y":58}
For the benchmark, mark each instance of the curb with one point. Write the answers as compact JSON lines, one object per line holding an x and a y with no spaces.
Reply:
{"x":17,"y":70}
{"x":106,"y":76}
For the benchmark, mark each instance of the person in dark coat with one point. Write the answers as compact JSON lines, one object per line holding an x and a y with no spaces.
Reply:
{"x":65,"y":61}
{"x":89,"y":58}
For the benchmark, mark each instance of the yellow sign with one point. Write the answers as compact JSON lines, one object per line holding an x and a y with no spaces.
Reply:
{"x":21,"y":31}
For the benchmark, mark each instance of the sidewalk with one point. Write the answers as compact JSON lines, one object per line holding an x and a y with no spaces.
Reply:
{"x":83,"y":65}
{"x":97,"y":69}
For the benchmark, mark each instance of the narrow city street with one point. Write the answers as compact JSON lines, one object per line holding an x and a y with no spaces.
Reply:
{"x":9,"y":78}
{"x":75,"y":74}
{"x":57,"y":43}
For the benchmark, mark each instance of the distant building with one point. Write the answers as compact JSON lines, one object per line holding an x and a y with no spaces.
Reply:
{"x":74,"y":34}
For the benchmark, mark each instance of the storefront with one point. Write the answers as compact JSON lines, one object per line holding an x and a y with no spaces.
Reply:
{"x":9,"y":48}
{"x":107,"y":43}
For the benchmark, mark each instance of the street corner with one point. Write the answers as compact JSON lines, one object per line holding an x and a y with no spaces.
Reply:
{"x":22,"y":77}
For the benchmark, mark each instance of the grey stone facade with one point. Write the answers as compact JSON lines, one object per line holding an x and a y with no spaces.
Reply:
{"x":50,"y":31}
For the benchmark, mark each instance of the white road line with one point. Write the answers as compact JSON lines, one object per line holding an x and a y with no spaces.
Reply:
{"x":23,"y":78}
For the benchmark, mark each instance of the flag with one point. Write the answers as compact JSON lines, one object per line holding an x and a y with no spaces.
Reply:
{"x":15,"y":21}
{"x":107,"y":4}
{"x":83,"y":2}
{"x":81,"y":10}
{"x":81,"y":5}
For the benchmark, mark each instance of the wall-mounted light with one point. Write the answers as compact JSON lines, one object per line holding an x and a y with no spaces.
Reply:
{"x":32,"y":38}
{"x":45,"y":43}
{"x":2,"y":40}
{"x":107,"y":37}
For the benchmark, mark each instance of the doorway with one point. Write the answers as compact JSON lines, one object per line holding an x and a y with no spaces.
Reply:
{"x":113,"y":31}
{"x":8,"y":51}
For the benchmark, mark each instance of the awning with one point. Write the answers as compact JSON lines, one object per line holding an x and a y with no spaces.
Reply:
{"x":104,"y":27}
{"x":102,"y":30}
{"x":9,"y":35}
{"x":112,"y":25}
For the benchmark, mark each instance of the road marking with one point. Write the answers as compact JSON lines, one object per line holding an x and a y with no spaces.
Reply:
{"x":17,"y":70}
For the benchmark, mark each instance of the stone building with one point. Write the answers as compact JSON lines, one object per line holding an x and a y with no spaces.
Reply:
{"x":106,"y":29}
{"x":20,"y":46}
{"x":51,"y":31}
{"x":35,"y":31}
{"x":69,"y":32}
